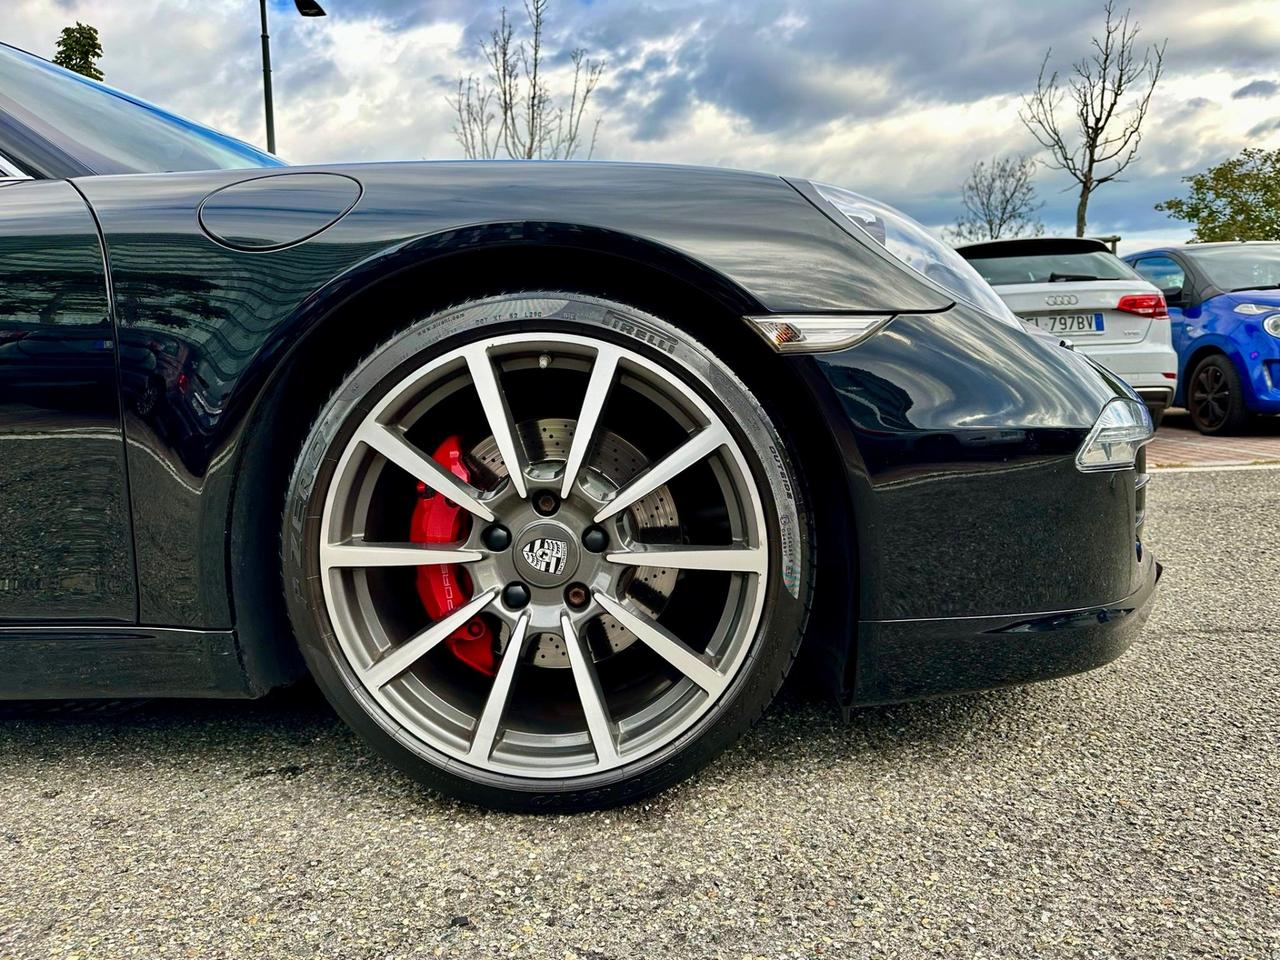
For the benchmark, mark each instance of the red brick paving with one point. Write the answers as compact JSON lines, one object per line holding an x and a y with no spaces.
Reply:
{"x":1179,"y":444}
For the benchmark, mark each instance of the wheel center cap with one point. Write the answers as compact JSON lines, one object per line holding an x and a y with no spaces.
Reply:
{"x":547,"y":554}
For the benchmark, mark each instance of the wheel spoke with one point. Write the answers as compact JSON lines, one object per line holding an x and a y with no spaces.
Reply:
{"x":487,"y":728}
{"x":736,"y":559}
{"x":496,"y":410}
{"x":359,"y":553}
{"x":391,"y":443}
{"x":602,"y":372}
{"x":397,"y":661}
{"x":666,"y":645}
{"x":701,"y":444}
{"x":599,"y":726}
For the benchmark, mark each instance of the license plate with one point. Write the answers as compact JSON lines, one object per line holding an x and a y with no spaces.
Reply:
{"x":1070,"y":323}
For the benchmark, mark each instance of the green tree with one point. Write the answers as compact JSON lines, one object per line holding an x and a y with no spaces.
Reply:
{"x":1238,"y":199}
{"x":79,"y":49}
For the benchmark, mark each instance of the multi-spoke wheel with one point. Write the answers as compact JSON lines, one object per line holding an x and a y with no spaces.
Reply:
{"x":1214,"y":396}
{"x":546,"y":550}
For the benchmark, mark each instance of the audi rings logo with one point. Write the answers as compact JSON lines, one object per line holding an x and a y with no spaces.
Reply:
{"x":546,"y":555}
{"x":1062,"y":300}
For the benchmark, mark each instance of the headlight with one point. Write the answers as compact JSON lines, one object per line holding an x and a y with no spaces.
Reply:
{"x":915,"y":246}
{"x":1119,"y":433}
{"x":1255,"y":309}
{"x":1272,"y":325}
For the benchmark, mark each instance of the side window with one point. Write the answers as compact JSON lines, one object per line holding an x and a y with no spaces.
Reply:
{"x":1161,"y":271}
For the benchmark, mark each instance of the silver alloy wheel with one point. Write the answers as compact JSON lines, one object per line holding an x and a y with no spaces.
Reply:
{"x":496,"y":731}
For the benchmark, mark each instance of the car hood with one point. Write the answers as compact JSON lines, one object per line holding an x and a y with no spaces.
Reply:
{"x":1270,"y":298}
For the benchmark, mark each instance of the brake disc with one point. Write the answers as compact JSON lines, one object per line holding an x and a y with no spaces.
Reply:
{"x":613,"y":463}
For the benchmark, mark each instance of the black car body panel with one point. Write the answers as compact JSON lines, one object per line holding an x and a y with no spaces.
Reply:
{"x":234,"y":313}
{"x":955,"y":434}
{"x":971,"y":518}
{"x":909,"y":659}
{"x":102,"y":660}
{"x":66,"y":549}
{"x":965,"y":460}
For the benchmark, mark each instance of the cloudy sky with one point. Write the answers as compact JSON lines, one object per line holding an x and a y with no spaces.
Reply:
{"x":896,"y":99}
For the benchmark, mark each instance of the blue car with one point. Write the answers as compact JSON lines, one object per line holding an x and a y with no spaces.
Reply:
{"x":1224,"y":304}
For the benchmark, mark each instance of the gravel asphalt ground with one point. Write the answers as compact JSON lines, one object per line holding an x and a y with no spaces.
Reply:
{"x":1130,"y":812}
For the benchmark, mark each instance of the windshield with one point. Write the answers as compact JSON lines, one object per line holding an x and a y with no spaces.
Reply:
{"x":1238,"y":267}
{"x":1052,"y":267}
{"x":109,"y":131}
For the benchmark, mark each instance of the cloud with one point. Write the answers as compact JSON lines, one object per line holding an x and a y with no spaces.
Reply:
{"x":1195,"y":105}
{"x":894,"y":99}
{"x":1256,"y":88}
{"x":1265,"y":127}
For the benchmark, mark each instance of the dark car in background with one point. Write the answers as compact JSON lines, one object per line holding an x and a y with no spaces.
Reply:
{"x":1224,"y":305}
{"x":543,"y":471}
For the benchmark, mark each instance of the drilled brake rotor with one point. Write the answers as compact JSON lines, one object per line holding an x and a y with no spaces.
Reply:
{"x":613,"y":463}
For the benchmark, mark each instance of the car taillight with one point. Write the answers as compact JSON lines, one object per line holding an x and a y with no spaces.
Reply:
{"x":1145,"y":305}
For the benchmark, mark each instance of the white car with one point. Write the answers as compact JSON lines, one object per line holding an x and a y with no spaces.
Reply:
{"x":1079,"y":290}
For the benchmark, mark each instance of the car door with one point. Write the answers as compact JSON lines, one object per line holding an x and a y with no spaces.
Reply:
{"x":66,"y":550}
{"x":1171,"y":279}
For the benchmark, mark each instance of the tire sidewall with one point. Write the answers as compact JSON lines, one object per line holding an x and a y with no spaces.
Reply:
{"x":786,"y":520}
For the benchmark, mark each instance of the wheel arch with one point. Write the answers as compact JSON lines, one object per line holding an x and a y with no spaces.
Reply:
{"x":359,"y":309}
{"x":1202,"y":350}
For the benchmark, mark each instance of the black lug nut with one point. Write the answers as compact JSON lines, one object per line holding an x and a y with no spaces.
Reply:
{"x":546,"y":502}
{"x":496,"y":537}
{"x":515,"y":595}
{"x":595,"y":539}
{"x":577,"y":595}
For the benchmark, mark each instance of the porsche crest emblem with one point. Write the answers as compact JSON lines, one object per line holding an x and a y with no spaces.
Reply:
{"x":546,"y":555}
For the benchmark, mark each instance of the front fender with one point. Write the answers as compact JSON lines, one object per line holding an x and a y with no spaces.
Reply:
{"x":420,"y":252}
{"x":1216,"y":336}
{"x":228,"y":313}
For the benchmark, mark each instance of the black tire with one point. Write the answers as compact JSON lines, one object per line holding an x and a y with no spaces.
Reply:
{"x":1215,"y":397}
{"x":787,"y":592}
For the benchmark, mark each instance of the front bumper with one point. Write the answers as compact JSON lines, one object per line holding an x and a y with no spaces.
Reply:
{"x":908,"y":659}
{"x":1264,"y":379}
{"x":981,"y":554}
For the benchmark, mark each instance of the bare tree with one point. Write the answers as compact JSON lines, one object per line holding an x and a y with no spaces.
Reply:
{"x":512,"y":110}
{"x":1101,"y":138}
{"x":999,"y":201}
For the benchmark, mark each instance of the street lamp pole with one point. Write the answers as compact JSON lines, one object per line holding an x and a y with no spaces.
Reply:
{"x":266,"y":80}
{"x":308,"y":8}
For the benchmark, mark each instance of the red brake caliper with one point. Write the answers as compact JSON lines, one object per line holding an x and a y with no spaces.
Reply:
{"x":444,"y":587}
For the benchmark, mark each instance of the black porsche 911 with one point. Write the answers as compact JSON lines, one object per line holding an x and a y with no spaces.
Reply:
{"x":546,"y":472}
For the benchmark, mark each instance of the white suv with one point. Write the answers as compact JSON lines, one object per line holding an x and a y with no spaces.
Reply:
{"x":1079,"y":290}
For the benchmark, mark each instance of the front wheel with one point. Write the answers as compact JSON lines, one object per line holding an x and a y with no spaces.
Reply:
{"x":1215,"y":397}
{"x":546,"y":551}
